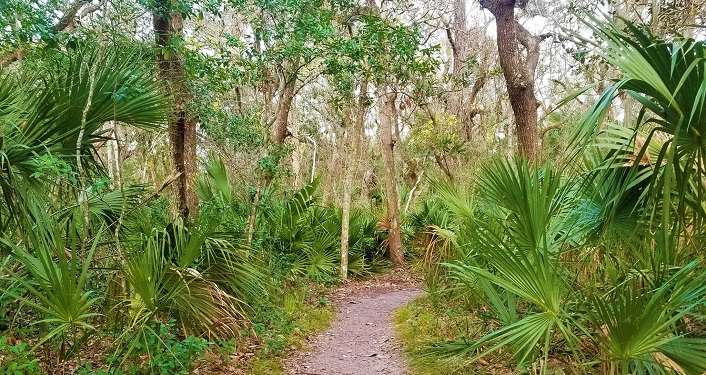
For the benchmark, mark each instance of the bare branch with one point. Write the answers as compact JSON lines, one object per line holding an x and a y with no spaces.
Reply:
{"x":69,"y":17}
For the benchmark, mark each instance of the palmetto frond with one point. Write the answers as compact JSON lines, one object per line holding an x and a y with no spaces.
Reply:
{"x":164,"y":277}
{"x":638,"y":328}
{"x":519,"y":260}
{"x":56,"y":276}
{"x":61,"y":111}
{"x":533,"y":200}
{"x":668,"y":78}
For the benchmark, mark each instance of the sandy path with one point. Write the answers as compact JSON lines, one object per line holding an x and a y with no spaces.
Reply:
{"x":360,"y":340}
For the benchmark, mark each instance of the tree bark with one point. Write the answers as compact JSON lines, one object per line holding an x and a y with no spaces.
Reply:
{"x":355,"y":134}
{"x":113,"y":155}
{"x":441,"y":162}
{"x":347,"y":193}
{"x":387,"y":111}
{"x":518,"y":70}
{"x":462,"y":101}
{"x":280,"y":130}
{"x":459,"y":37}
{"x":182,"y":124}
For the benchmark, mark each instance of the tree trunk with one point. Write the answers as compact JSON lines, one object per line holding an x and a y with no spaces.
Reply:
{"x":355,"y":134}
{"x":387,"y":116}
{"x":113,"y":155}
{"x":252,"y":218}
{"x":458,"y":39}
{"x":182,"y":125}
{"x":518,"y":71}
{"x":347,"y":192}
{"x":280,"y":131}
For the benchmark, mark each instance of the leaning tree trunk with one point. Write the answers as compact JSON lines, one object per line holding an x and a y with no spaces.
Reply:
{"x":355,"y":133}
{"x":518,"y":71}
{"x":182,"y":125}
{"x":387,"y":117}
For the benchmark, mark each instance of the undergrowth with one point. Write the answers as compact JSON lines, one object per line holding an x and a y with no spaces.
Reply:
{"x":304,"y":312}
{"x":426,"y":321}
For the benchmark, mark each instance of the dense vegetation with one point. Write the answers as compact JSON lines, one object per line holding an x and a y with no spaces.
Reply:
{"x":164,"y":206}
{"x":594,"y":263}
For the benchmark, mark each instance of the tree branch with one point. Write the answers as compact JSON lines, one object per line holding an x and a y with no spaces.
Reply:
{"x":531,"y":44}
{"x":67,"y":21}
{"x":69,"y":17}
{"x":454,"y":50}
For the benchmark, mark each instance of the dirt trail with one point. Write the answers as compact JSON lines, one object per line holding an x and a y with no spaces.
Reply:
{"x":361,"y":339}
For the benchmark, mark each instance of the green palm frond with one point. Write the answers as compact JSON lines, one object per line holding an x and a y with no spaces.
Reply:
{"x":56,"y":278}
{"x":668,"y":78}
{"x":215,"y":184}
{"x":534,"y":201}
{"x":520,"y":260}
{"x":164,"y":281}
{"x":637,"y":325}
{"x":46,"y":113}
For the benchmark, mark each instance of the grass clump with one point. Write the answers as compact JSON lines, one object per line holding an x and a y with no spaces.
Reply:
{"x":424,"y":322}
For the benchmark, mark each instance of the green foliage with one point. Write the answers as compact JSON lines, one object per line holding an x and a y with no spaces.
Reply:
{"x":51,"y":119}
{"x":285,"y":323}
{"x":164,"y":281}
{"x":57,"y":286}
{"x":394,"y":52}
{"x":381,"y":50}
{"x":442,"y":135}
{"x":241,"y":132}
{"x":524,"y":230}
{"x":638,"y":327}
{"x":171,"y":355}
{"x":17,"y":359}
{"x":422,"y":323}
{"x":666,"y":77}
{"x":27,"y":22}
{"x":309,"y":235}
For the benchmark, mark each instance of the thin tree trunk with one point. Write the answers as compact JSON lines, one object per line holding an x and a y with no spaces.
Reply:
{"x":347,"y":192}
{"x":386,"y":114}
{"x":458,"y":38}
{"x":113,"y":155}
{"x":414,"y":190}
{"x":182,"y":125}
{"x":441,"y":162}
{"x":355,"y":134}
{"x":252,"y":219}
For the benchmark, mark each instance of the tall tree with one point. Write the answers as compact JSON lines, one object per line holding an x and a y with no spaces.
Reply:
{"x":354,"y":134}
{"x":168,"y":29}
{"x":289,"y":37}
{"x":396,"y":59}
{"x":387,"y":116}
{"x":462,"y":42}
{"x":519,"y":70}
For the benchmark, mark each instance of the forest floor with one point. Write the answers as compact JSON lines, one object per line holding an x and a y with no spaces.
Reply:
{"x":361,"y":339}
